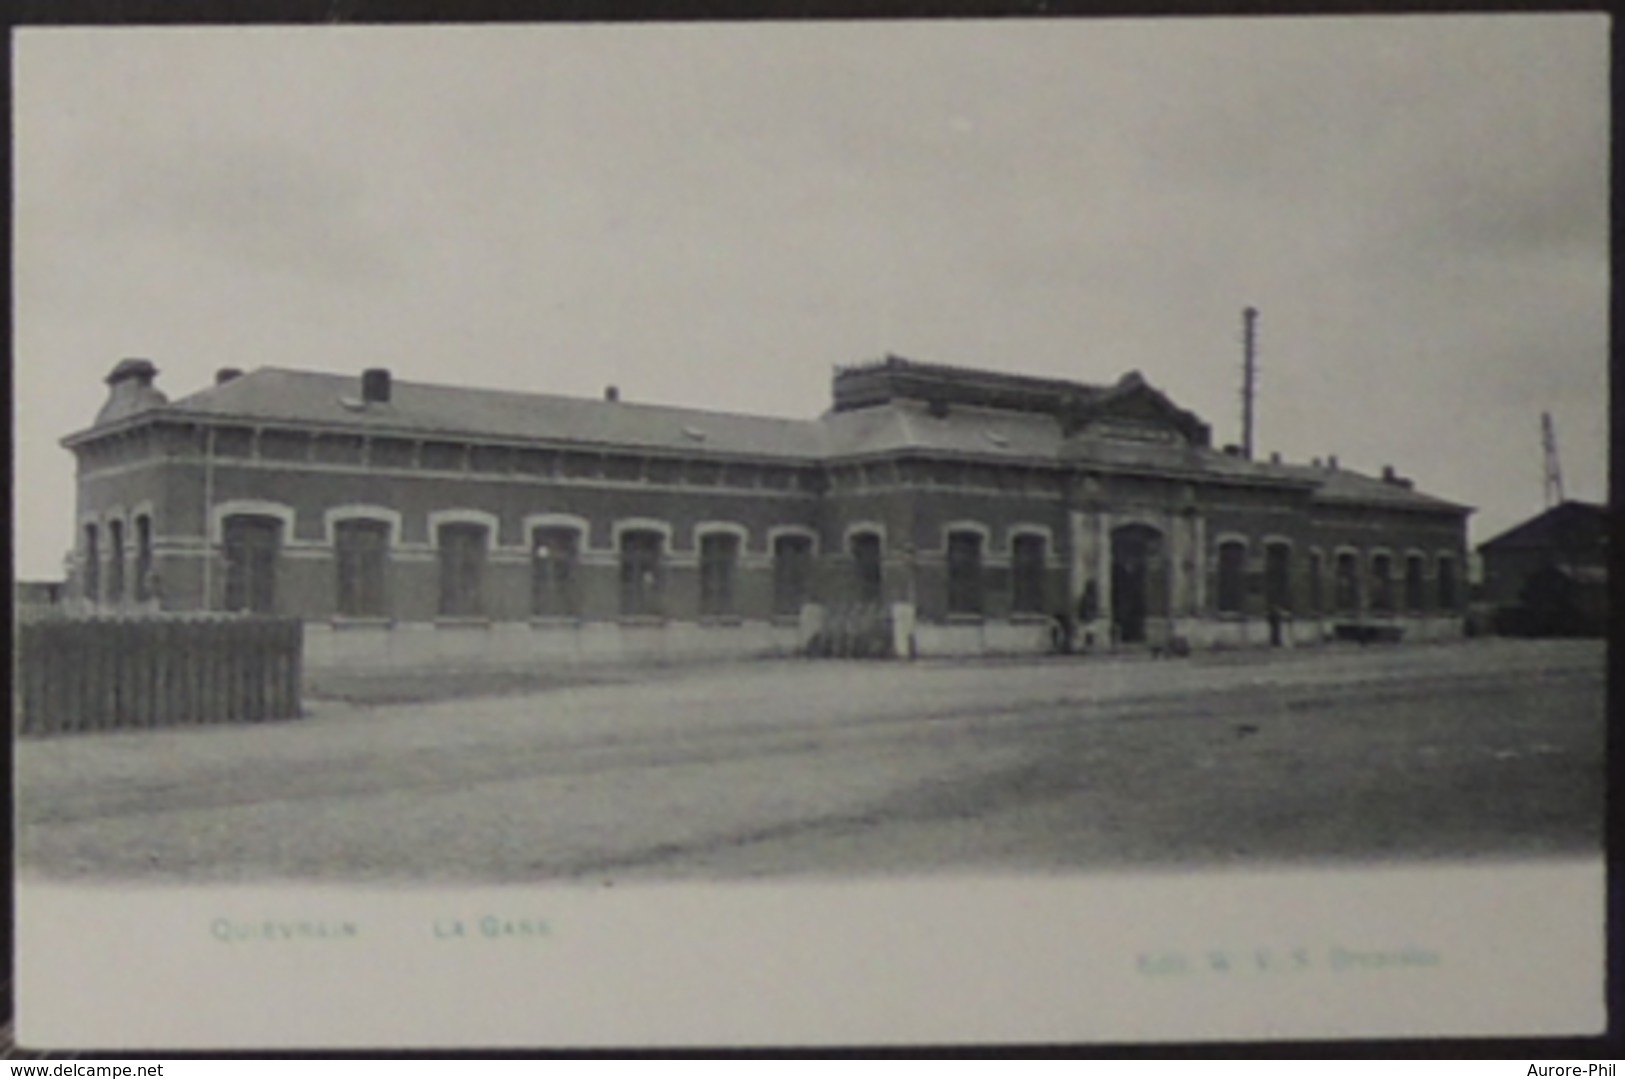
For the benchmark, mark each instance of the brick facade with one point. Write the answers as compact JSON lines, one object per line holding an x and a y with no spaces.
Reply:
{"x":991,"y":508}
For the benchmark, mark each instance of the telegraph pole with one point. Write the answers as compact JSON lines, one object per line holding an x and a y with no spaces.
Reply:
{"x":1554,"y":467}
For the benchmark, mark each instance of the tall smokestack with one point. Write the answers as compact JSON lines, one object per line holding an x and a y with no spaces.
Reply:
{"x":1249,"y":369}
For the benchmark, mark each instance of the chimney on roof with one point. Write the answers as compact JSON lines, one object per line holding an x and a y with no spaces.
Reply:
{"x":130,"y":390}
{"x":1315,"y":462}
{"x":227,"y":374}
{"x":1388,"y":473}
{"x":612,"y":393}
{"x":1275,"y":457}
{"x":1232,"y":450}
{"x":375,"y":386}
{"x":1331,"y":462}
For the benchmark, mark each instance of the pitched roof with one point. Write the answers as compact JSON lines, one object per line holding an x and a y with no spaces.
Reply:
{"x":280,"y":395}
{"x":1570,"y":522}
{"x":277,"y":394}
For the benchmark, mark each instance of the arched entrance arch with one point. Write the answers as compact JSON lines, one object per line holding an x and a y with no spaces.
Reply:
{"x":1139,"y":580}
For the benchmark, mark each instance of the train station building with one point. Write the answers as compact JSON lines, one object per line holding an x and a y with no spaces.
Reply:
{"x":960,"y":511}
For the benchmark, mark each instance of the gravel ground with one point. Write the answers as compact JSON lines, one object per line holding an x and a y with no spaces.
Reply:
{"x":1482,"y":748}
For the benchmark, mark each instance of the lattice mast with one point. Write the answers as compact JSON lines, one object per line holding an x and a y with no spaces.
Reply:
{"x":1554,"y":467}
{"x":1249,"y":377}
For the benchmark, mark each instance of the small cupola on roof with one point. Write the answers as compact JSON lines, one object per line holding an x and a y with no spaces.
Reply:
{"x":130,"y":390}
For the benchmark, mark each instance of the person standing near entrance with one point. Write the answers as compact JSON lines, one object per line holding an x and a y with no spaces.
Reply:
{"x":1088,"y":611}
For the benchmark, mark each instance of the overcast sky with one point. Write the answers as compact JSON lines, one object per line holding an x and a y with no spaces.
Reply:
{"x":714,"y":215}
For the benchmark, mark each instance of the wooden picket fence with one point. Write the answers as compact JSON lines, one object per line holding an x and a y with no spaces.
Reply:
{"x":109,"y":673}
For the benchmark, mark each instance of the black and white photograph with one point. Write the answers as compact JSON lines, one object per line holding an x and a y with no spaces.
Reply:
{"x":810,"y":532}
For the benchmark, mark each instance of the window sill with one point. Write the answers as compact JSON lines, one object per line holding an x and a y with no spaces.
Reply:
{"x":787,"y":620}
{"x":721,"y":620}
{"x":555,"y":621}
{"x":642,"y":620}
{"x":462,"y":622}
{"x":962,"y":619}
{"x":1029,"y":618}
{"x":343,"y":622}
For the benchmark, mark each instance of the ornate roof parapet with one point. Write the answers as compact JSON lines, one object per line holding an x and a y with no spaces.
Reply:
{"x":942,"y":386}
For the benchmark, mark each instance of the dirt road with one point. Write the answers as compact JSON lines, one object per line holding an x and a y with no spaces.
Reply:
{"x":1477,"y":749}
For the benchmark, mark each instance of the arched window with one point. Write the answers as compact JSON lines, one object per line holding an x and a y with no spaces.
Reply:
{"x":1447,"y":583}
{"x":463,"y":548}
{"x":792,"y":572}
{"x":1348,"y":583}
{"x":642,"y":575}
{"x":92,"y":564}
{"x":964,"y":572}
{"x":115,"y":561}
{"x":555,"y":553}
{"x":1232,"y":576}
{"x":1278,"y":577}
{"x":866,"y":566}
{"x":719,"y":567}
{"x":361,"y":556}
{"x":1415,"y":595}
{"x":143,"y":557}
{"x":1382,"y":584}
{"x":1027,"y":556}
{"x":251,"y":545}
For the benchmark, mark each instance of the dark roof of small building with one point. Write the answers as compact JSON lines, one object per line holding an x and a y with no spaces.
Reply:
{"x":1570,"y":523}
{"x":275,"y":395}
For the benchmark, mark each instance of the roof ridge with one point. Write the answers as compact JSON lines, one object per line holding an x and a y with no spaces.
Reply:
{"x":496,"y":391}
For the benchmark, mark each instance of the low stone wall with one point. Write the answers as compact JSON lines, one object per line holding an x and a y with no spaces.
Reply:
{"x":514,"y":645}
{"x":1310,"y":632}
{"x":528,"y":645}
{"x":983,"y":638}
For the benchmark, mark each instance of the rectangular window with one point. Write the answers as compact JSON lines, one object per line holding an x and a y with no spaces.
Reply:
{"x":361,"y":553}
{"x":1317,"y":593}
{"x":115,"y":561}
{"x":1382,"y":584}
{"x":792,"y":573}
{"x":251,"y":546}
{"x":641,"y":573}
{"x":719,"y":564}
{"x":1415,"y":596}
{"x":143,"y":558}
{"x":964,"y":573}
{"x":1232,"y":576}
{"x":866,"y":569}
{"x":1348,"y":584}
{"x":92,"y":565}
{"x":462,"y":570}
{"x":554,"y":588}
{"x":1027,"y":554}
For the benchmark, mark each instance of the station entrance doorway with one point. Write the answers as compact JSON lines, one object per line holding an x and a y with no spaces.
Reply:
{"x":1139,"y":581}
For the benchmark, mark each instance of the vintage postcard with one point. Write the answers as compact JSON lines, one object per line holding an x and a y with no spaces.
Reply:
{"x":810,"y":533}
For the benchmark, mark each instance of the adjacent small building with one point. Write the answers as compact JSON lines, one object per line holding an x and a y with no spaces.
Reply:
{"x":964,"y":511}
{"x":1549,"y":575}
